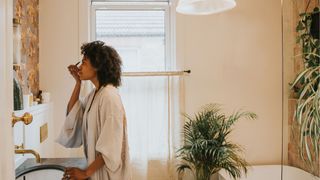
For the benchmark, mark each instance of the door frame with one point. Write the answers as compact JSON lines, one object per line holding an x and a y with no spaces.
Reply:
{"x":6,"y":90}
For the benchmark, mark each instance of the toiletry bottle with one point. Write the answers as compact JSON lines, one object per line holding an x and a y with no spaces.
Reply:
{"x":16,"y":41}
{"x":17,"y":94}
{"x":40,"y":96}
{"x":30,"y":98}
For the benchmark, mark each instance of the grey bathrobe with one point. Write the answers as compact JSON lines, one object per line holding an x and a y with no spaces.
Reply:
{"x":101,"y":130}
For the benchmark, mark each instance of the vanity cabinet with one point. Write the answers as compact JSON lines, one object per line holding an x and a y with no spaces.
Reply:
{"x":29,"y":135}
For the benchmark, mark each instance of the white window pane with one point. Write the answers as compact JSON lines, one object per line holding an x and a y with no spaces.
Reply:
{"x":138,"y":36}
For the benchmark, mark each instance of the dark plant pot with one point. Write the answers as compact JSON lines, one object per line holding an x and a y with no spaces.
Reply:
{"x":315,"y":26}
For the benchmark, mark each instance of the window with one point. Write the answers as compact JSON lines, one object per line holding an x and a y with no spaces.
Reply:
{"x":141,"y":33}
{"x":138,"y":35}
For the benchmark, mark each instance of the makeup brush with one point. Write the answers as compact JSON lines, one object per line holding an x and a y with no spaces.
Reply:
{"x":77,"y":63}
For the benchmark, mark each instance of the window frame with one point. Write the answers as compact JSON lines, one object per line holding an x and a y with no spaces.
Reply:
{"x":170,"y":63}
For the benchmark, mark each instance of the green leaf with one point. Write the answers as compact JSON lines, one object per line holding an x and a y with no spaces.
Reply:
{"x":300,"y":26}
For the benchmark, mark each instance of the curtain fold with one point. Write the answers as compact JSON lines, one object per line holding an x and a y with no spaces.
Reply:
{"x":153,"y":106}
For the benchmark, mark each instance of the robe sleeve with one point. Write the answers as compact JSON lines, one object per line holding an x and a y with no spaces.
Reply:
{"x":110,"y":139}
{"x":71,"y":133}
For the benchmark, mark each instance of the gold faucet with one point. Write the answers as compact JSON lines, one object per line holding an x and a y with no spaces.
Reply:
{"x":26,"y":118}
{"x":21,"y":150}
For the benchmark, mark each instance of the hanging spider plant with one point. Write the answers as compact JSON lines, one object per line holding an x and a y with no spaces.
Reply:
{"x":306,"y":84}
{"x":307,"y":114}
{"x":307,"y":30}
{"x":206,"y":149}
{"x":307,"y":36}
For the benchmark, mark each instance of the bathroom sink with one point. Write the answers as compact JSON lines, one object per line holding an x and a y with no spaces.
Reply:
{"x":39,"y":174}
{"x":48,"y":169}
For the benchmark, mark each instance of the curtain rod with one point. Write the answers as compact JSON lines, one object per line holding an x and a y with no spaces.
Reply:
{"x":159,"y":73}
{"x":129,"y":1}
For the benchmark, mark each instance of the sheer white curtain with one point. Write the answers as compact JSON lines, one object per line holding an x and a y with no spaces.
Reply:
{"x":152,"y":108}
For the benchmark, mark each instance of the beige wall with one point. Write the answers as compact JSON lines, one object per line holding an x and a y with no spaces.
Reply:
{"x":235,"y":58}
{"x":59,"y":47}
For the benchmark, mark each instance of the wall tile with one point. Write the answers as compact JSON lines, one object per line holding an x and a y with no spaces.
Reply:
{"x":27,"y":11}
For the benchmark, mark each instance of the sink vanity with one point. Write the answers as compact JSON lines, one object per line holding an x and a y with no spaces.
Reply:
{"x":35,"y":157}
{"x":28,"y":139}
{"x":50,"y":168}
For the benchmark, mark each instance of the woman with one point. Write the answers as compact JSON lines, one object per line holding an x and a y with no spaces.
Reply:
{"x":99,"y":122}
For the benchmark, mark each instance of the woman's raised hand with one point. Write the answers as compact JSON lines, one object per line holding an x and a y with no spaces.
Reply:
{"x":74,"y":70}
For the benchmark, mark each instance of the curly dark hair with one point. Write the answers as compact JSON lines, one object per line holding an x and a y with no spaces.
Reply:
{"x":106,"y":60}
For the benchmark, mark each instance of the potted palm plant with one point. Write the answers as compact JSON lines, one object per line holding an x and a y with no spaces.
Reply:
{"x":206,"y":148}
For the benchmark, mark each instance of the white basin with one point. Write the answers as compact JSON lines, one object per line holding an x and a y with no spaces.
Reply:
{"x":47,"y":174}
{"x":48,"y":169}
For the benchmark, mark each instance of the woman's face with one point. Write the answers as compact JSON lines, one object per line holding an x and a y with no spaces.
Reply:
{"x":86,"y":70}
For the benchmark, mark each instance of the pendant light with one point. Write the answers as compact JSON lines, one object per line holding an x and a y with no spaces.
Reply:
{"x":204,"y":7}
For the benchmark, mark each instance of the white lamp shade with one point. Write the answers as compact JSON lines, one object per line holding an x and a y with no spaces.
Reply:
{"x":204,"y":7}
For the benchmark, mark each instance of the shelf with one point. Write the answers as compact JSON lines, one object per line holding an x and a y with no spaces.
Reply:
{"x":33,"y":109}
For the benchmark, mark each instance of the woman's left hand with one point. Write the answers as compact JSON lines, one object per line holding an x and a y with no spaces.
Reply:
{"x":74,"y":174}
